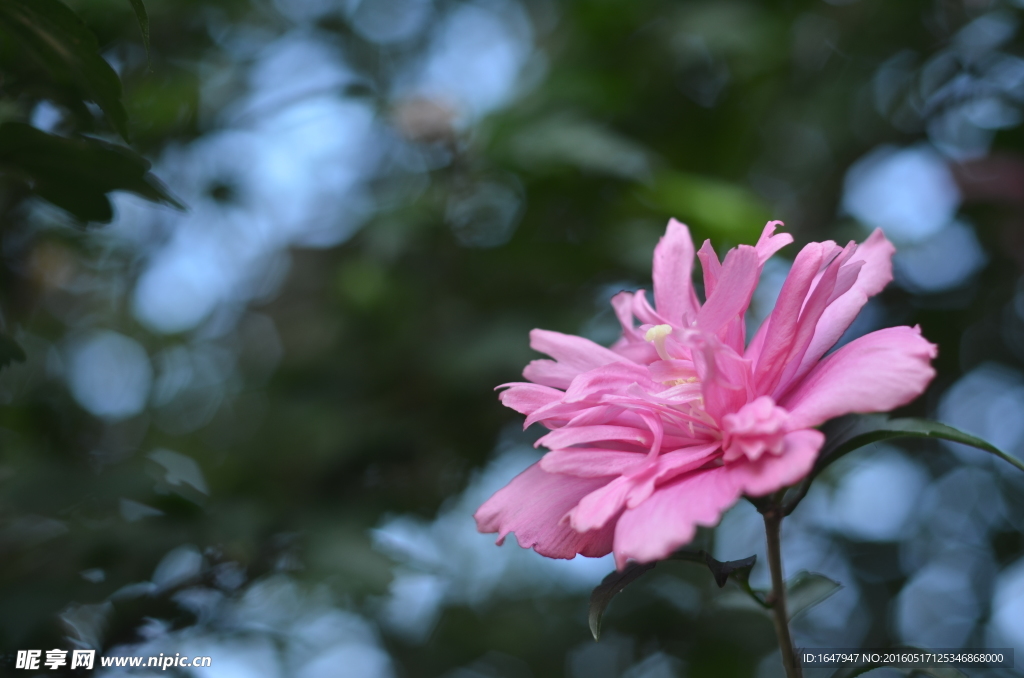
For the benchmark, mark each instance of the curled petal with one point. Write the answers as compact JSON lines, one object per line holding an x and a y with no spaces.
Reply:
{"x":875,"y":273}
{"x":600,"y":506}
{"x":773,"y":472}
{"x":769,"y":243}
{"x":781,"y":325}
{"x":528,"y":398}
{"x":711,"y":267}
{"x":669,"y":518}
{"x":875,"y":373}
{"x":550,"y":373}
{"x":533,"y":506}
{"x":575,"y":352}
{"x":673,"y":267}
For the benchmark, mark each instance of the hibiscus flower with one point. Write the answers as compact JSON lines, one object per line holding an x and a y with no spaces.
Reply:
{"x":680,"y":418}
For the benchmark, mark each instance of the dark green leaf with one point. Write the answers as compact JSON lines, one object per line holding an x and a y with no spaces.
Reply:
{"x":10,"y":351}
{"x":807,"y":589}
{"x":77,"y":174}
{"x":52,"y":37}
{"x":737,"y":569}
{"x":610,"y":587}
{"x":143,"y":17}
{"x":850,"y":433}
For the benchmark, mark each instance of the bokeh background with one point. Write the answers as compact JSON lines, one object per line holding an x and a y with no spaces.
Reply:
{"x":257,"y":428}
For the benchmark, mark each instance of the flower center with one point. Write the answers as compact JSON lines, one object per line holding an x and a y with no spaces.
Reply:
{"x":758,"y":427}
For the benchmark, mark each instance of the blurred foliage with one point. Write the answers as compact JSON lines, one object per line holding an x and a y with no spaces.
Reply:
{"x":375,"y":397}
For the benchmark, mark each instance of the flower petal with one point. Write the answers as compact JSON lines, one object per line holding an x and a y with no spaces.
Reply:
{"x":528,"y":398}
{"x":769,"y":243}
{"x":673,"y":267}
{"x":669,"y":518}
{"x":710,"y":266}
{"x":782,"y":322}
{"x":550,"y":373}
{"x":597,"y":508}
{"x":876,"y":253}
{"x":875,"y":373}
{"x":576,"y":352}
{"x":733,"y":290}
{"x":580,"y":435}
{"x":591,"y":463}
{"x":592,"y":384}
{"x":533,"y":506}
{"x":772,"y":472}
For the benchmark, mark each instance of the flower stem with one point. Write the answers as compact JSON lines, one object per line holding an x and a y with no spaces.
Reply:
{"x":773,"y":533}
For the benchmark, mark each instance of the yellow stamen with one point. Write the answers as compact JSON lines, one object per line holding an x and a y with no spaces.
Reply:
{"x":656,"y":335}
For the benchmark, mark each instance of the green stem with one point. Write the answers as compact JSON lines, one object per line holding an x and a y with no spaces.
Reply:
{"x":773,"y":533}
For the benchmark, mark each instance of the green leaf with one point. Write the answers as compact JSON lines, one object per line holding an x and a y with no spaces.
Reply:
{"x":721,"y":571}
{"x":143,"y":17}
{"x":51,"y":36}
{"x":721,"y":208}
{"x":615,"y":582}
{"x":77,"y":174}
{"x":807,"y":589}
{"x":847,"y":434}
{"x":610,"y":587}
{"x":10,"y":350}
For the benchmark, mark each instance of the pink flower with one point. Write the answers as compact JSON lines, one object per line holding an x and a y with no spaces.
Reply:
{"x":668,"y":428}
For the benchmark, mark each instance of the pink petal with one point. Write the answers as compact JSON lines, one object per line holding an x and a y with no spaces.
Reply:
{"x":782,"y":322}
{"x":527,"y":398}
{"x":732,"y":290}
{"x":622,"y":303}
{"x":607,"y":379}
{"x":670,"y":465}
{"x":876,"y":253}
{"x":580,"y":435}
{"x":639,"y":351}
{"x":669,"y":518}
{"x":726,"y":378}
{"x":768,"y":244}
{"x":875,"y":373}
{"x":597,"y":508}
{"x":643,"y":311}
{"x":550,"y":373}
{"x":575,"y":352}
{"x":711,"y":267}
{"x":772,"y":472}
{"x":533,"y":506}
{"x":673,"y":267}
{"x":664,"y":371}
{"x":591,"y":463}
{"x":834,"y":281}
{"x":577,"y":435}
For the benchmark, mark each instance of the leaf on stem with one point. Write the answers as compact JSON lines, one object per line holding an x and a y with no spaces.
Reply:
{"x":50,"y":36}
{"x":850,"y":433}
{"x":143,"y":17}
{"x":737,"y":569}
{"x":615,"y":582}
{"x":77,"y":174}
{"x":807,"y":589}
{"x":610,"y":587}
